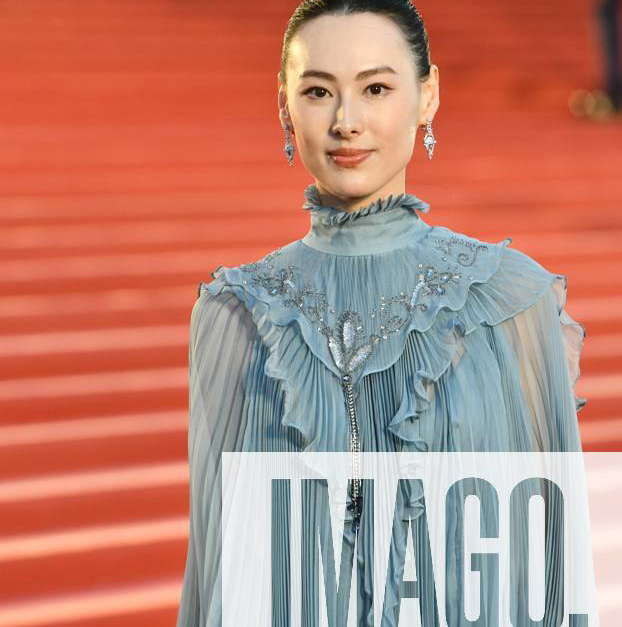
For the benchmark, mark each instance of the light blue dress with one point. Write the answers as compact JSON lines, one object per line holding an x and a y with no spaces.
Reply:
{"x":377,"y":331}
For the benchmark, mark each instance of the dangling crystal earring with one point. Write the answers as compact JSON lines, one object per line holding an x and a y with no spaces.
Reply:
{"x":289,"y":146}
{"x":429,"y":141}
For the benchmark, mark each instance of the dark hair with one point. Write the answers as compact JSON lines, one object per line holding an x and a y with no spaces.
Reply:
{"x":402,"y":12}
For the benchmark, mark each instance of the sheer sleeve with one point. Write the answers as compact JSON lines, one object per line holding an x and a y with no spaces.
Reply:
{"x":222,"y":335}
{"x":547,"y":344}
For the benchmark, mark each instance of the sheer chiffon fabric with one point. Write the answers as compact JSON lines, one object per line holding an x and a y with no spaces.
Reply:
{"x":490,"y":364}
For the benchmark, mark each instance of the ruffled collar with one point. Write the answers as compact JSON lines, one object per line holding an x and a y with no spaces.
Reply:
{"x":383,"y":225}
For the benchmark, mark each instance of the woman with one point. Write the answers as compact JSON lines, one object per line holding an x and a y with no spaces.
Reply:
{"x":375,"y":331}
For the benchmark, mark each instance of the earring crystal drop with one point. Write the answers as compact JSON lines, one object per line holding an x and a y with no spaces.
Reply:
{"x":429,"y":140}
{"x":289,"y":146}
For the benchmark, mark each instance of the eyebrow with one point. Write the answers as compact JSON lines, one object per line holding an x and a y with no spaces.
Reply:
{"x":359,"y":77}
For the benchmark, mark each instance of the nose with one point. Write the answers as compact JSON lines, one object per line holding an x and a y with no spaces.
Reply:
{"x":347,"y":119}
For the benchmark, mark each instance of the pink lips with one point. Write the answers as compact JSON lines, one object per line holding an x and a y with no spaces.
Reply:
{"x":349,"y":157}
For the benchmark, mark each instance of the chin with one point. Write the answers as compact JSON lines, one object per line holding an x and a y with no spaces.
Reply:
{"x":351,"y":185}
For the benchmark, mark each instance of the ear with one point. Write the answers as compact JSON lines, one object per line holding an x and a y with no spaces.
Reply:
{"x":430,"y":97}
{"x":282,"y":104}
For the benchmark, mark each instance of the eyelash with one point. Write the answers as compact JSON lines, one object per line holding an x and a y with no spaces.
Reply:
{"x":387,"y":89}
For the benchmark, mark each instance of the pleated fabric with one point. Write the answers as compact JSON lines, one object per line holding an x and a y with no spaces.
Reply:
{"x":460,"y":345}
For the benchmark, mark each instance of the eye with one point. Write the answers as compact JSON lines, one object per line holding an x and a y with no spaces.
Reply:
{"x":379,"y":85}
{"x":374,"y":86}
{"x":314,"y":89}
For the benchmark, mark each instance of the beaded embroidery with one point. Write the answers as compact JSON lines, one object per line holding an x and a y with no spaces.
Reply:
{"x":445,"y":245}
{"x":349,"y":344}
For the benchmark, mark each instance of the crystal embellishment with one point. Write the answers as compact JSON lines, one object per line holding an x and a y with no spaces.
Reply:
{"x":343,"y":343}
{"x":349,"y":343}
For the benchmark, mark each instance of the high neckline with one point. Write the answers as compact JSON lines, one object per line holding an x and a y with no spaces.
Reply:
{"x":382,"y":225}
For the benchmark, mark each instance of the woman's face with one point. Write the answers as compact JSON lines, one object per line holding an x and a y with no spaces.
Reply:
{"x":351,"y":105}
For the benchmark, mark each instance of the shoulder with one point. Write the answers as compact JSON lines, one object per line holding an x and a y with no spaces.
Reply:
{"x":241,"y":280}
{"x":502,"y":280}
{"x":511,"y":260}
{"x":445,"y":233}
{"x":281,"y":254}
{"x":479,"y":258}
{"x":231,"y":292}
{"x":220,"y":315}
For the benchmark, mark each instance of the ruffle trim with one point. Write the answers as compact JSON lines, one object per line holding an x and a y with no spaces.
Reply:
{"x":574,"y":335}
{"x":516,"y":283}
{"x":333,"y":215}
{"x":283,"y":363}
{"x":490,"y":304}
{"x":283,"y":281}
{"x":439,"y":328}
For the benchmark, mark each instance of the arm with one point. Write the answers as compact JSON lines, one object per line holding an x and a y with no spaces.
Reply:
{"x":547,"y":344}
{"x":222,"y":335}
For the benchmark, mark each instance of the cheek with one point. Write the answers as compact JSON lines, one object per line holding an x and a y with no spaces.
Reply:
{"x":395,"y":120}
{"x":391,"y":126}
{"x":310,"y":130}
{"x":395,"y":135}
{"x":398,"y":115}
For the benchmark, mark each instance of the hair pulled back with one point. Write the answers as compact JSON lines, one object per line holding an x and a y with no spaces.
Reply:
{"x":402,"y":12}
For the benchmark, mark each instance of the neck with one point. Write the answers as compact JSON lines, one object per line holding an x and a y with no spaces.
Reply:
{"x":393,"y":188}
{"x":383,"y":225}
